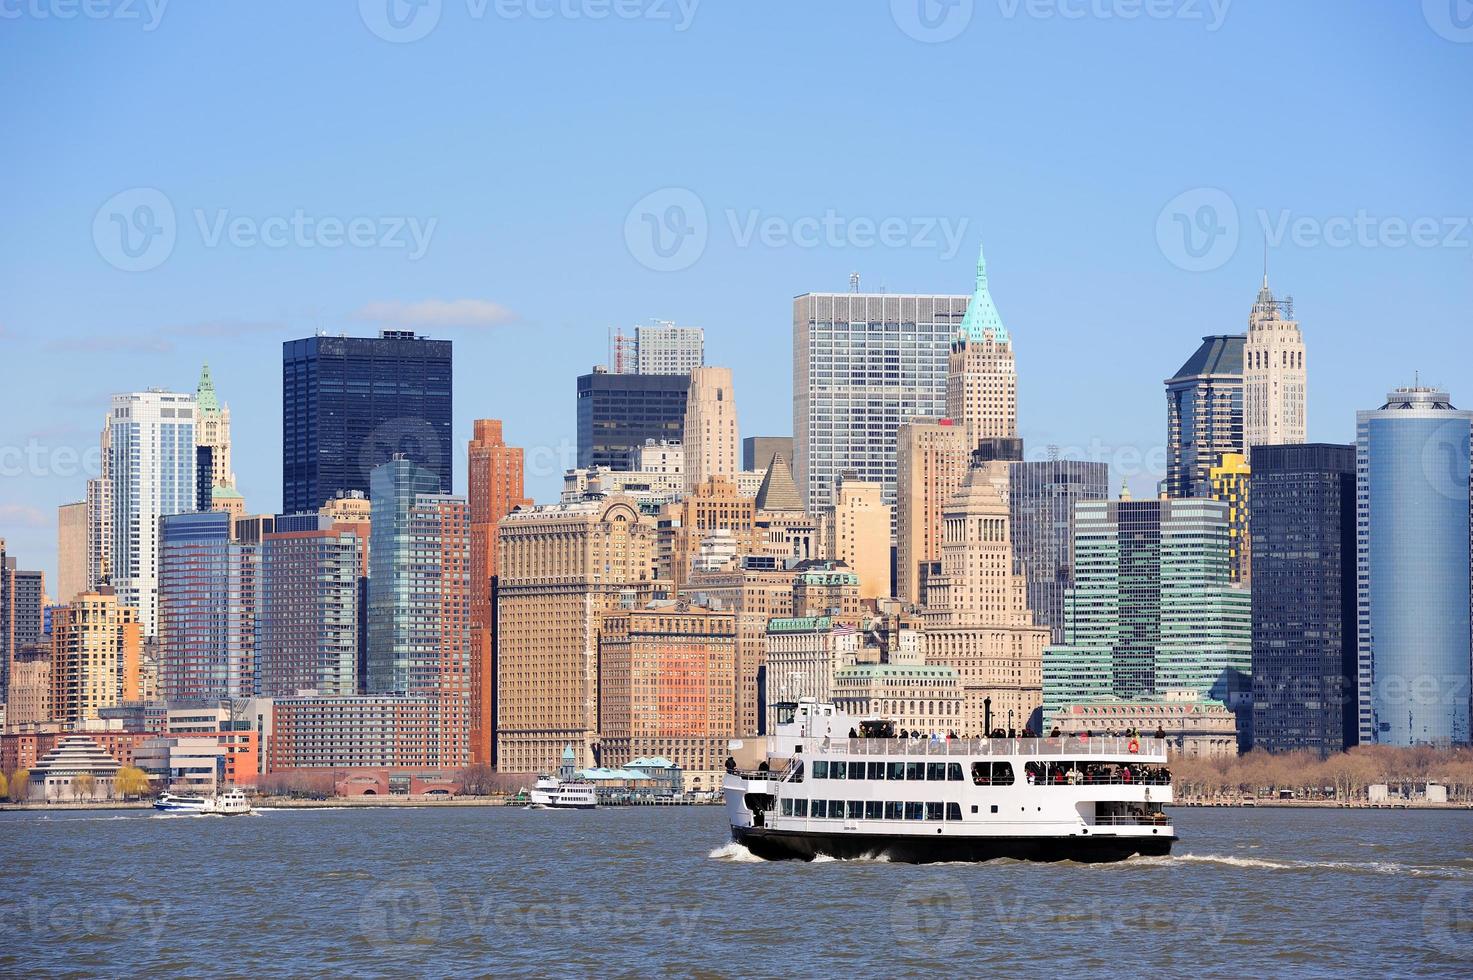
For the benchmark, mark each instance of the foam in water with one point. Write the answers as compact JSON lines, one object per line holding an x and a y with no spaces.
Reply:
{"x":735,"y":853}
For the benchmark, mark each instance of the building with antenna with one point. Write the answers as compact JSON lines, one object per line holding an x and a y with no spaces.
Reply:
{"x":1274,"y":380}
{"x":981,"y":378}
{"x":659,"y":347}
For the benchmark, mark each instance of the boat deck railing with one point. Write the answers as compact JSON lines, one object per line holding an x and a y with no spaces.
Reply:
{"x":1070,"y":745}
{"x":1132,"y":820}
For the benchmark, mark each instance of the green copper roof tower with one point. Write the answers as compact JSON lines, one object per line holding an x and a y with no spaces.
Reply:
{"x":982,"y":320}
{"x":204,"y":393}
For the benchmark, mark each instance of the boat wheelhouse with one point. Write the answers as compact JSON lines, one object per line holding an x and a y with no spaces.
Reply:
{"x":827,"y":784}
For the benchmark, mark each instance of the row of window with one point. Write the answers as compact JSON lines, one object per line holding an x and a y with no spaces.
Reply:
{"x":870,"y":810}
{"x":935,"y":771}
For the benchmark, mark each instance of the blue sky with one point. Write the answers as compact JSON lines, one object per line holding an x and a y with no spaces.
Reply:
{"x":1071,"y":137}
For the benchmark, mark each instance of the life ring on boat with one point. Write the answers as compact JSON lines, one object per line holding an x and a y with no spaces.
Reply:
{"x":1135,"y":746}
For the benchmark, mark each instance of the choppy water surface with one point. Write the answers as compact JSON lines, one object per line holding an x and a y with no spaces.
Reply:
{"x":623,"y":891}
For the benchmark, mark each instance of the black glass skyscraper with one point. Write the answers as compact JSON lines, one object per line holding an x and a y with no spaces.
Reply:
{"x":1302,"y":518}
{"x":1204,"y":415}
{"x":350,"y":403}
{"x":618,"y":412}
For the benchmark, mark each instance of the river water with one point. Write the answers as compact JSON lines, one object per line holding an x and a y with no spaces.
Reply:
{"x":497,"y":890}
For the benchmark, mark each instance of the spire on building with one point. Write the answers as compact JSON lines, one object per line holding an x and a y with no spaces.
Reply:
{"x":982,"y":321}
{"x":778,"y":491}
{"x":1124,"y":489}
{"x":204,"y":393}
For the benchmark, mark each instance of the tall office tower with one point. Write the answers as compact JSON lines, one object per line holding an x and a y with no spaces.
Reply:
{"x":981,"y":377}
{"x":711,"y":443}
{"x":28,"y":698}
{"x":617,"y":413}
{"x":308,"y":635}
{"x":71,"y":550}
{"x":30,"y":607}
{"x":1042,"y":495}
{"x":931,"y":462}
{"x":419,"y":631}
{"x":1229,"y":482}
{"x":711,"y":508}
{"x":494,"y":489}
{"x":21,"y":603}
{"x":561,"y":566}
{"x":1302,"y":499}
{"x":863,"y":364}
{"x":1204,"y":415}
{"x":1412,"y":524}
{"x":95,"y":656}
{"x":659,"y":348}
{"x":1153,"y":611}
{"x":151,"y":472}
{"x":212,"y":444}
{"x":208,"y":608}
{"x":100,"y":514}
{"x":667,"y":685}
{"x":757,"y":451}
{"x":350,"y":404}
{"x":1274,"y":386}
{"x":976,"y":617}
{"x":857,"y":532}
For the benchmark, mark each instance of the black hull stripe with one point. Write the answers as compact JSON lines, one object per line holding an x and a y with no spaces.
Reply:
{"x":776,"y":845}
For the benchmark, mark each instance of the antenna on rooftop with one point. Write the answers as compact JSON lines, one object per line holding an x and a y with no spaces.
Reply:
{"x":854,"y":282}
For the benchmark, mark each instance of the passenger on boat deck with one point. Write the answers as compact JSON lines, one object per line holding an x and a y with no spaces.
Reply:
{"x":1160,"y":731}
{"x":853,"y":733}
{"x":904,"y":733}
{"x":1054,"y":733}
{"x":730,"y":764}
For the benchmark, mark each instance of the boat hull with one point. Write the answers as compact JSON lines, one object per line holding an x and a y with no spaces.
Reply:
{"x":776,"y":845}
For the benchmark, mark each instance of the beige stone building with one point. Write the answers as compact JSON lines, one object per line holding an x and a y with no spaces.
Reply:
{"x":857,"y":532}
{"x":1274,"y":380}
{"x":783,"y":530}
{"x":95,"y":656}
{"x":712,"y":447}
{"x":828,"y":588}
{"x":667,"y":684}
{"x":931,"y":461}
{"x":28,"y":701}
{"x":714,"y":505}
{"x":561,"y":567}
{"x":71,"y":550}
{"x":976,"y":617}
{"x":981,"y":376}
{"x":803,"y":655}
{"x":918,"y":697}
{"x":1195,"y":727}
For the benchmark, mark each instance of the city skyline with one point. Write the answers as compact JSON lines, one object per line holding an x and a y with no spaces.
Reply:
{"x":492,"y":258}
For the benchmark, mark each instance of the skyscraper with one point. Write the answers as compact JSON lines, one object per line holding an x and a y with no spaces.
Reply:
{"x":1274,"y":386}
{"x":22,"y":604}
{"x":100,"y":515}
{"x":712,"y":448}
{"x":932,"y":456}
{"x":982,"y":379}
{"x":308,"y":636}
{"x":352,"y":403}
{"x":1302,"y":499}
{"x":151,"y":474}
{"x":659,"y":348}
{"x":95,"y":656}
{"x":1229,"y":481}
{"x":1152,"y":611}
{"x":862,"y":364}
{"x":212,"y":443}
{"x":617,"y":413}
{"x":1042,"y":495}
{"x":1204,"y":415}
{"x":71,"y":550}
{"x":494,"y":479}
{"x":207,"y":609}
{"x":1412,"y":552}
{"x":857,"y":532}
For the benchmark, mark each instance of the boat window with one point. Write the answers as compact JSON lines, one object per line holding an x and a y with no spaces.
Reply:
{"x":820,"y":769}
{"x":953,"y":811}
{"x":787,"y":808}
{"x":836,"y":809}
{"x":856,"y":770}
{"x":982,"y":773}
{"x":874,"y":810}
{"x":935,"y":771}
{"x":855,"y":809}
{"x":876,"y":770}
{"x":933,"y":811}
{"x":892,"y":810}
{"x":954,"y":772}
{"x":915,"y":770}
{"x":897,"y":770}
{"x":800,"y":808}
{"x":836,"y":771}
{"x":914,"y":811}
{"x":819,"y":809}
{"x":1002,"y":774}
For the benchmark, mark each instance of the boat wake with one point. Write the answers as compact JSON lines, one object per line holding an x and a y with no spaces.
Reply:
{"x":1268,"y":864}
{"x":735,"y":853}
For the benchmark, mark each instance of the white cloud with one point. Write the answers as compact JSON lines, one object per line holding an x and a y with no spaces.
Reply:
{"x":22,"y":515}
{"x":441,"y":313}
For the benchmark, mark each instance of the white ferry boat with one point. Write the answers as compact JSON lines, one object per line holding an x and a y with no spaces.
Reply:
{"x":813,"y":789}
{"x":232,"y":802}
{"x":552,"y":793}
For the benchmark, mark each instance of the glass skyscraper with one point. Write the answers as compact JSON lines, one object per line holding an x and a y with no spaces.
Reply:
{"x":1412,"y":549}
{"x":1204,"y":415}
{"x":351,"y":403}
{"x":618,"y":412}
{"x":1302,"y":521}
{"x":1042,"y":495}
{"x":311,"y":587}
{"x":207,"y":609}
